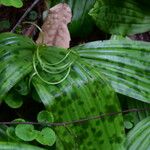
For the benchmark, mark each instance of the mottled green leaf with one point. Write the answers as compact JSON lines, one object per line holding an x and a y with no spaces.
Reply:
{"x":123,"y":17}
{"x":125,"y":63}
{"x":139,"y":136}
{"x":84,"y":93}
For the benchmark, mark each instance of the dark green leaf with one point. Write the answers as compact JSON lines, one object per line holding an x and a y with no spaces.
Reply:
{"x":13,"y":100}
{"x":11,"y":134}
{"x":22,"y":87}
{"x":4,"y":24}
{"x":138,"y":116}
{"x":3,"y":135}
{"x":123,"y":17}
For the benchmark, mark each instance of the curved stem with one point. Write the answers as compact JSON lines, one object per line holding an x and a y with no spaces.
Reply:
{"x":52,"y":64}
{"x":42,"y":33}
{"x":55,"y":72}
{"x":51,"y":83}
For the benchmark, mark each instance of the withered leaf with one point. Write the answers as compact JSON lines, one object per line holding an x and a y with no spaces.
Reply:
{"x":55,"y":27}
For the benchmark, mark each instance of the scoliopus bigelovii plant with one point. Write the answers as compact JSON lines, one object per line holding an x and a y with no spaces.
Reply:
{"x":78,"y":86}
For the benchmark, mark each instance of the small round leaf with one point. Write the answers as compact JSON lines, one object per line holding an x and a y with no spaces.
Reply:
{"x":45,"y":116}
{"x":46,"y":137}
{"x":128,"y":124}
{"x":25,"y":132}
{"x":13,"y":101}
{"x":19,"y":120}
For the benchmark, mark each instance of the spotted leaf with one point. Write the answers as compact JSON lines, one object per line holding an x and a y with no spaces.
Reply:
{"x":84,"y":93}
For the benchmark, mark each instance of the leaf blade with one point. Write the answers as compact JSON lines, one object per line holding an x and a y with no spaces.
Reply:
{"x":139,"y":137}
{"x":125,"y":63}
{"x":83,"y":94}
{"x":125,"y":18}
{"x":15,"y":60}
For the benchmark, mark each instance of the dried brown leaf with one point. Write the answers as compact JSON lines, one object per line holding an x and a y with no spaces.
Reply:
{"x":55,"y":27}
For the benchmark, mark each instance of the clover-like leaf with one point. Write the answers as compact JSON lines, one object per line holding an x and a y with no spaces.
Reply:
{"x":46,"y":137}
{"x":25,"y":132}
{"x":45,"y":116}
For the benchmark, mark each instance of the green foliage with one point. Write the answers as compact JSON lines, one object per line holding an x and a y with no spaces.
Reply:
{"x":17,"y":52}
{"x":80,"y":101}
{"x":4,"y":24}
{"x":46,"y":136}
{"x":45,"y":116}
{"x":14,"y":3}
{"x":25,"y":132}
{"x":13,"y":100}
{"x":81,"y":82}
{"x":123,"y":17}
{"x":128,"y":124}
{"x":139,"y":137}
{"x":138,"y":116}
{"x":71,"y":85}
{"x":18,"y":146}
{"x":32,"y":15}
{"x":125,"y":63}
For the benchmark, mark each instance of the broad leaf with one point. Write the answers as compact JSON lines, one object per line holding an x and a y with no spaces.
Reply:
{"x":123,"y":17}
{"x":83,"y":94}
{"x":125,"y":63}
{"x":18,"y":146}
{"x":15,"y":60}
{"x":139,"y":137}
